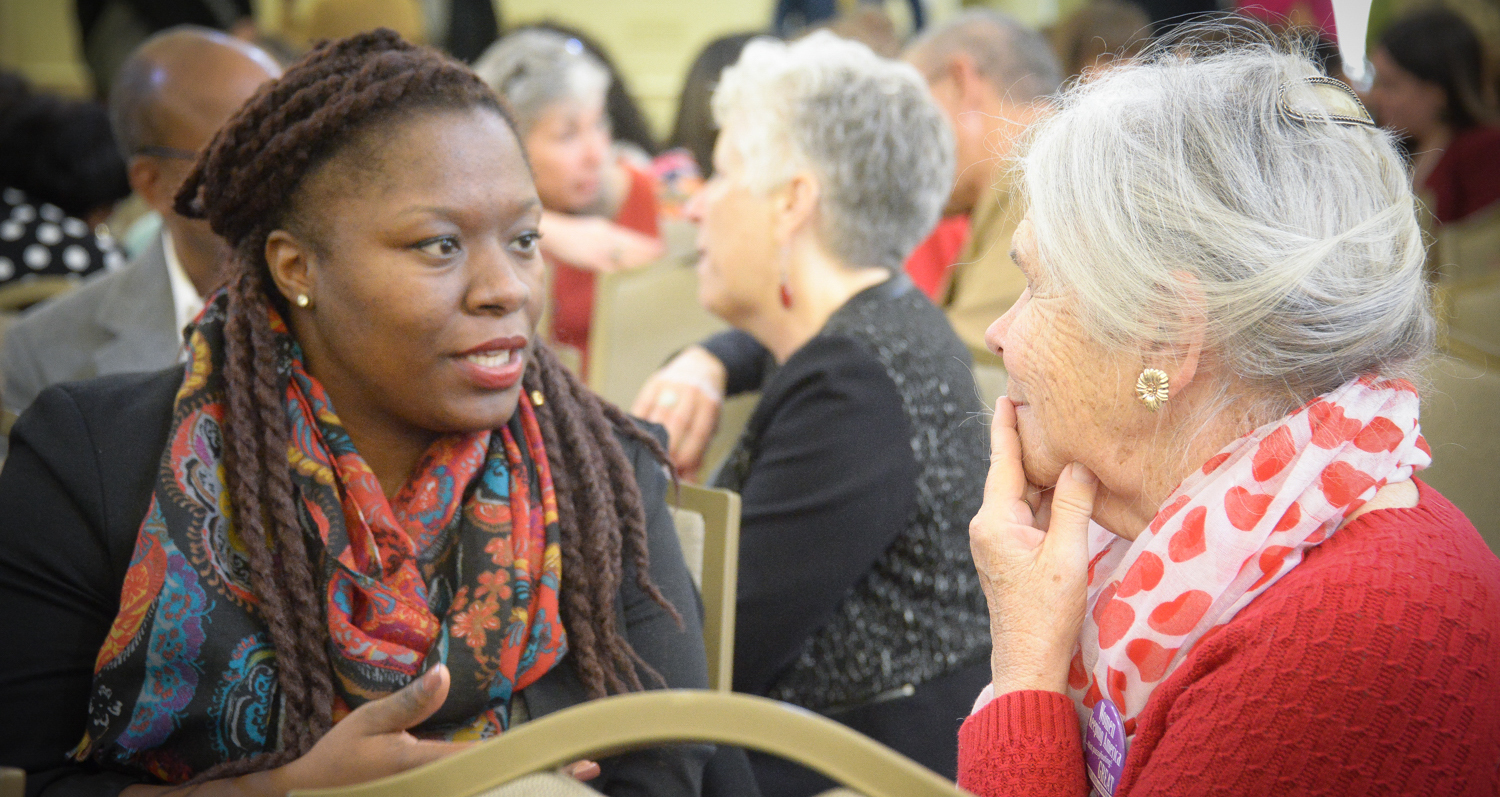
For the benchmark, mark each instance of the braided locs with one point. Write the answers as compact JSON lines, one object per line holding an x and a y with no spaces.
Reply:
{"x":244,"y":185}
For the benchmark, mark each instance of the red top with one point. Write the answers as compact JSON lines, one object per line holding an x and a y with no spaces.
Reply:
{"x":1467,"y":177}
{"x":928,"y":264}
{"x":1371,"y":668}
{"x":573,"y":287}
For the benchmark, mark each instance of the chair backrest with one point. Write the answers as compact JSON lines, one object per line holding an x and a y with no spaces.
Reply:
{"x":12,"y":782}
{"x":690,"y":537}
{"x":990,"y":381}
{"x":1465,"y":261}
{"x":1461,"y":421}
{"x":641,"y":318}
{"x":647,"y":719}
{"x":717,"y":548}
{"x":1468,"y":249}
{"x":1471,"y":314}
{"x":19,"y":295}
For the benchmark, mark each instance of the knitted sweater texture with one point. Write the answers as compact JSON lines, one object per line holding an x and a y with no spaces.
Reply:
{"x":1371,"y":668}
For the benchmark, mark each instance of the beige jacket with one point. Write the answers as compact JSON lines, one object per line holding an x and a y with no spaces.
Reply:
{"x":984,"y":283}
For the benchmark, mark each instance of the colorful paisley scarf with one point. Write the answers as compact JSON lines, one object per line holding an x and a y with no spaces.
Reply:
{"x":462,"y":566}
{"x":1229,"y":531}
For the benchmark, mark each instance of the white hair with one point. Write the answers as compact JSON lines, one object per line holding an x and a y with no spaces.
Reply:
{"x":533,"y":69}
{"x":864,"y":125}
{"x":1177,"y":186}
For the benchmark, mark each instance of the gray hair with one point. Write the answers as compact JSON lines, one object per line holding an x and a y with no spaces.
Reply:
{"x":1179,"y":183}
{"x":1014,"y":58}
{"x":867,"y":128}
{"x":534,"y":69}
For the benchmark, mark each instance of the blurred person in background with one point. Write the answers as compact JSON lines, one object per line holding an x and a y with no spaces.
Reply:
{"x":629,"y":127}
{"x":991,"y":75}
{"x":112,"y":29}
{"x":172,"y":95}
{"x":1309,"y":15}
{"x":557,"y":90}
{"x":861,"y":464}
{"x":793,"y":18}
{"x":60,"y":177}
{"x":694,"y":128}
{"x":1098,"y":34}
{"x":868,"y":24}
{"x":1430,"y":88}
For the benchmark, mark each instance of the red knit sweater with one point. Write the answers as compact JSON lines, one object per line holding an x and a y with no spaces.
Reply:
{"x":1371,"y":668}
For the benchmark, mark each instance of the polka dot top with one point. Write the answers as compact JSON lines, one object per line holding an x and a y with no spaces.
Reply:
{"x":38,"y":240}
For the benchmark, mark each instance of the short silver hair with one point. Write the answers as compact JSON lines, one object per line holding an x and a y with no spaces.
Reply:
{"x":1180,"y":181}
{"x":865,"y":125}
{"x":534,"y":69}
{"x":1014,"y":58}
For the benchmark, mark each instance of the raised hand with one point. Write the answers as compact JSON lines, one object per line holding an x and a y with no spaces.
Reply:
{"x":1030,"y":547}
{"x":685,"y":396}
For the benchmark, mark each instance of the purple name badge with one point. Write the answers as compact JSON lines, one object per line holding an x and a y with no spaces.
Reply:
{"x":1104,"y":748}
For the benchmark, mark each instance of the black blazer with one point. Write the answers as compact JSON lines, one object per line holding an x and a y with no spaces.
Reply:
{"x":73,"y":493}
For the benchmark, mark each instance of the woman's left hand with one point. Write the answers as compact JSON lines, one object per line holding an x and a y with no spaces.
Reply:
{"x":1030,"y":547}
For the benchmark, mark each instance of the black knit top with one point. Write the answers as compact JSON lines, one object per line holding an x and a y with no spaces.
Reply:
{"x":860,"y":470}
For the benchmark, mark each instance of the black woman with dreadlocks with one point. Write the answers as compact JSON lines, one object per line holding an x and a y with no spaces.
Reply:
{"x":371,"y":518}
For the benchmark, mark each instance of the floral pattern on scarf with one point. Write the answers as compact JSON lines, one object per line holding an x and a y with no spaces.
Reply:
{"x":462,"y":566}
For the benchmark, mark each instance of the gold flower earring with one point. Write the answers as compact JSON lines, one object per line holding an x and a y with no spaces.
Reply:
{"x":1152,"y":388}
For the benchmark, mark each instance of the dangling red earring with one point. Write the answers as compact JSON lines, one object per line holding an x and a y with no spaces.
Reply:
{"x":786,"y":296}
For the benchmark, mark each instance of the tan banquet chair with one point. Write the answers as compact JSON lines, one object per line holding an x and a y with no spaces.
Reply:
{"x":1461,"y":421}
{"x":1470,"y":249}
{"x":990,"y":381}
{"x":21,"y":294}
{"x":641,"y":318}
{"x":708,"y":526}
{"x":646,"y":719}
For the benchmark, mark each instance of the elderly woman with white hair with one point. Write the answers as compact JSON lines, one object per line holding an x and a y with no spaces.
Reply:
{"x":1211,"y":364}
{"x":600,"y":213}
{"x":862,"y":462}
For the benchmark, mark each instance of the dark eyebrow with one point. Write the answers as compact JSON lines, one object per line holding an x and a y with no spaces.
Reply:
{"x":528,"y":206}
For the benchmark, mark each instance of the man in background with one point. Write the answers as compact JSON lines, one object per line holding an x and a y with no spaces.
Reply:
{"x":992,"y":76}
{"x":172,"y":95}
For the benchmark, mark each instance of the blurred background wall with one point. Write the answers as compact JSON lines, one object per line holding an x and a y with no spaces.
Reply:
{"x":652,"y":41}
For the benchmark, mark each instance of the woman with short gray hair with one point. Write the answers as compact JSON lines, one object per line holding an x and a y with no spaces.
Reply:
{"x":600,"y":213}
{"x":861,"y":464}
{"x":1208,"y":565}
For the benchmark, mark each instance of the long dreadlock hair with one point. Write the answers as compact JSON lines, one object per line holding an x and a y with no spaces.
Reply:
{"x":245,"y":185}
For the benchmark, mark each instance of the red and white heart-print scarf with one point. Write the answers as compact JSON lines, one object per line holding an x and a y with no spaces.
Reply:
{"x":1230,"y":530}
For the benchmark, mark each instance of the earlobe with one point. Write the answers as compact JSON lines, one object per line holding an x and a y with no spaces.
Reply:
{"x":291,"y":263}
{"x":1180,"y":360}
{"x":966,"y":81}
